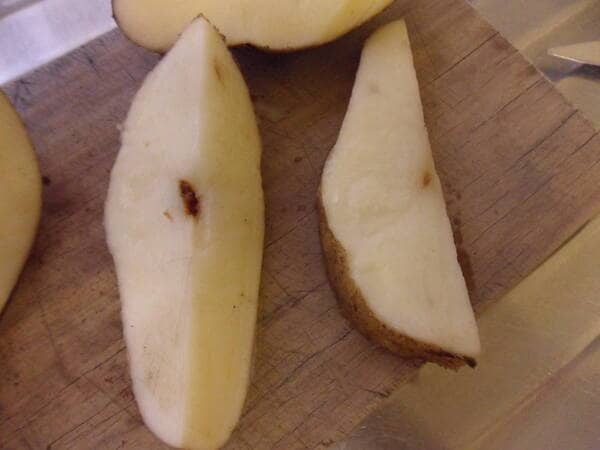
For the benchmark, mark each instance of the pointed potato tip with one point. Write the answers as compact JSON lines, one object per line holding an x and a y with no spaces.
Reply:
{"x":201,"y":16}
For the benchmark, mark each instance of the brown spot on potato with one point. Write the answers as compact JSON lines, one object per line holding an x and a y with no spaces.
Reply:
{"x":168,"y":215}
{"x":191,"y":202}
{"x":427,"y":179}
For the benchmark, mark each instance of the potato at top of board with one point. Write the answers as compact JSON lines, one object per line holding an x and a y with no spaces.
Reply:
{"x":385,"y":232}
{"x":20,"y":197}
{"x":276,"y":25}
{"x":185,"y":223}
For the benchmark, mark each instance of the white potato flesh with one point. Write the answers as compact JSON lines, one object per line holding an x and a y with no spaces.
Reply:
{"x":185,"y":224}
{"x":384,"y":204}
{"x":273,"y":24}
{"x":20,"y":197}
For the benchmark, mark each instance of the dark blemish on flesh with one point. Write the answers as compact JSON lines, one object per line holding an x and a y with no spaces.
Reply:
{"x":298,"y":159}
{"x":190,"y":199}
{"x":46,"y":180}
{"x":168,"y":215}
{"x":426,"y":179}
{"x":374,"y":89}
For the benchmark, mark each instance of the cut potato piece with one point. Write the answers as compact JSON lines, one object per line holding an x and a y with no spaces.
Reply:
{"x":185,"y":224}
{"x":272,"y":24}
{"x":20,"y":197}
{"x":384,"y":228}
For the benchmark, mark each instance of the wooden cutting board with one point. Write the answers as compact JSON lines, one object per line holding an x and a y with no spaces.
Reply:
{"x":520,"y":168}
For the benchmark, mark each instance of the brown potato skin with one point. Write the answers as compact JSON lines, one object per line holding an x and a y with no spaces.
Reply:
{"x":355,"y":308}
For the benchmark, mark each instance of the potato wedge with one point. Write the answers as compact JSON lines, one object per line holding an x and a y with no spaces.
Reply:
{"x":185,"y":224}
{"x":385,"y":232}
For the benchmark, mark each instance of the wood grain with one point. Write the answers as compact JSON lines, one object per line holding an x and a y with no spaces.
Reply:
{"x":520,"y":169}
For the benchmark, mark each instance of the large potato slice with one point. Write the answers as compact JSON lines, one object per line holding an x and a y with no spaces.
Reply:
{"x":185,"y":225}
{"x":385,"y":231}
{"x":282,"y":25}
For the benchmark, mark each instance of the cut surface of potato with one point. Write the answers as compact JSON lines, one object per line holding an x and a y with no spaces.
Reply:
{"x":272,"y":24}
{"x":385,"y":232}
{"x":20,"y":197}
{"x":185,"y":224}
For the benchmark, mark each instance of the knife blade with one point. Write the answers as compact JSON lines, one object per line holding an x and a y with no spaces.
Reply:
{"x":582,"y":53}
{"x":35,"y":32}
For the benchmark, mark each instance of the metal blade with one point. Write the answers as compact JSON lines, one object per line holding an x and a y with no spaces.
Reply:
{"x":35,"y":32}
{"x":582,"y":53}
{"x":535,"y":26}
